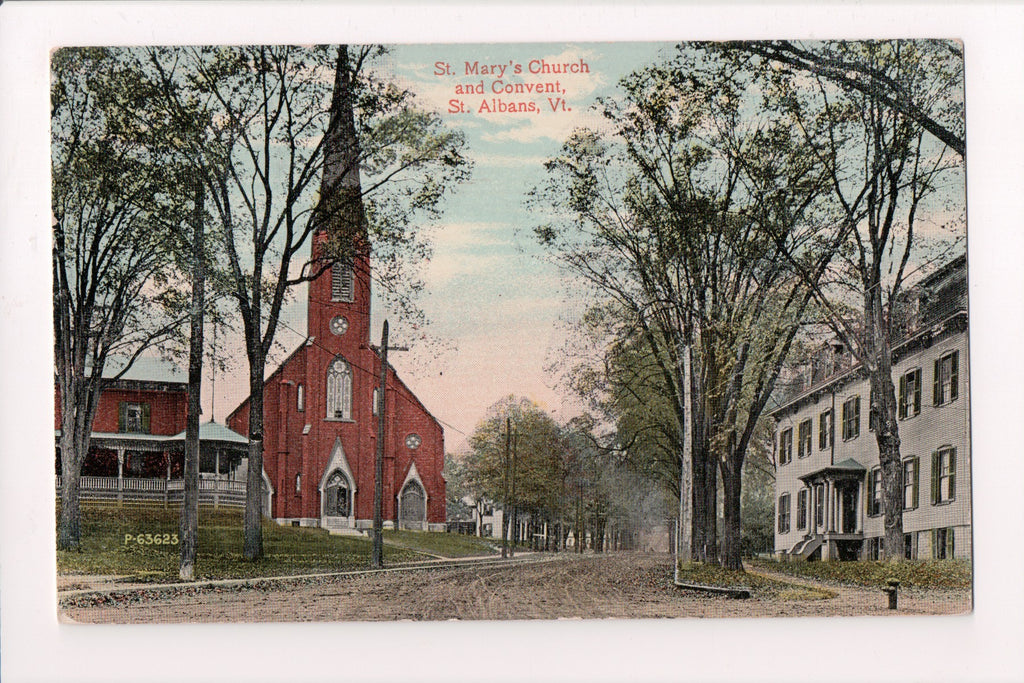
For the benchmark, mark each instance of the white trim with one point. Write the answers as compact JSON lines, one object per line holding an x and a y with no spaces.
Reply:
{"x":269,"y":512}
{"x":338,"y":461}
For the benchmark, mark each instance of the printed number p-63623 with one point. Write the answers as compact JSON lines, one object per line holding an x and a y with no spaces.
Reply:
{"x":151,"y":539}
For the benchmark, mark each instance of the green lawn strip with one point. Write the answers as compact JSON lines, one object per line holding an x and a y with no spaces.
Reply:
{"x":760,"y":586}
{"x":944,"y":574}
{"x":446,"y":545}
{"x":287,"y":550}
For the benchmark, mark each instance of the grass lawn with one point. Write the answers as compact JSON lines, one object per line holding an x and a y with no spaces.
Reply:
{"x":447,"y":545}
{"x":287,"y":550}
{"x":760,"y":586}
{"x":910,"y":573}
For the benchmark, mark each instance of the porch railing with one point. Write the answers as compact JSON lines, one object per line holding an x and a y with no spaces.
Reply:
{"x":230,"y":493}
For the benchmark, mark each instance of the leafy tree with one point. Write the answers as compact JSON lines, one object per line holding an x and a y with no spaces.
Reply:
{"x":884,"y":170}
{"x":117,"y":216}
{"x":274,"y":117}
{"x":539,"y":475}
{"x":893,"y":89}
{"x":676,"y":216}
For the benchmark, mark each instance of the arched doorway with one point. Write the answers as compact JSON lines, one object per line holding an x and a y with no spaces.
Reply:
{"x":412,"y":506}
{"x":337,"y":495}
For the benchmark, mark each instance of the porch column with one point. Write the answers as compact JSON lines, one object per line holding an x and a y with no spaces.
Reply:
{"x":216,"y":478}
{"x":167,"y":481}
{"x":826,"y":505}
{"x":120,"y":475}
{"x":841,"y":525}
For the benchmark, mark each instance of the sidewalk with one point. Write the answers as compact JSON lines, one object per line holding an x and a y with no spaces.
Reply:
{"x":83,"y":585}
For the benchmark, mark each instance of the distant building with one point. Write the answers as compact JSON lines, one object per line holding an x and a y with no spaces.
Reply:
{"x":828,"y":490}
{"x":320,"y":420}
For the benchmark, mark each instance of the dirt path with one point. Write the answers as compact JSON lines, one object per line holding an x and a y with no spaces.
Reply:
{"x":620,"y":585}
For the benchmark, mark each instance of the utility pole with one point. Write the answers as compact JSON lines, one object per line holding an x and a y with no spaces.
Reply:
{"x":504,"y":512}
{"x":515,"y":517}
{"x":378,"y":472}
{"x":377,"y":559}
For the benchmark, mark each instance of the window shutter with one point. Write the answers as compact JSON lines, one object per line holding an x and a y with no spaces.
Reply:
{"x":935,"y":548}
{"x":870,"y":488}
{"x":937,"y":383}
{"x":935,"y":477}
{"x":917,"y":392}
{"x":122,"y":416}
{"x":145,"y":418}
{"x":953,"y":373}
{"x":950,"y":545}
{"x":952,"y":473}
{"x":903,"y":396}
{"x":917,"y":480}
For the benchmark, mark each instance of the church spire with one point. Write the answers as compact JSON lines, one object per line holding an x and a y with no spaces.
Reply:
{"x":342,"y":215}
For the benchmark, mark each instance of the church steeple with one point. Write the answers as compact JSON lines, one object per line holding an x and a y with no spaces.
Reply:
{"x":339,"y":299}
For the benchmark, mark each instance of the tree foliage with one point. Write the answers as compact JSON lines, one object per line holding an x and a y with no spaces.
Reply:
{"x":885,"y":169}
{"x":117,"y":218}
{"x":675,"y":215}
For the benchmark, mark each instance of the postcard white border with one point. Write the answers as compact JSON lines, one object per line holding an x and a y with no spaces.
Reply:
{"x":983,"y":646}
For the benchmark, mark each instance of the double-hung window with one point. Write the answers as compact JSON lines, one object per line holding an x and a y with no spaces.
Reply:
{"x":133,"y":418}
{"x":825,"y":430}
{"x":784,"y":513}
{"x":851,"y":418}
{"x":786,"y":446}
{"x":911,"y":479}
{"x":804,"y":439}
{"x":944,"y":389}
{"x":875,"y":491}
{"x":943,"y":475}
{"x":910,"y":394}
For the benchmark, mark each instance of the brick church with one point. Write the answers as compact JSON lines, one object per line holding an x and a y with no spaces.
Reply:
{"x":320,"y":420}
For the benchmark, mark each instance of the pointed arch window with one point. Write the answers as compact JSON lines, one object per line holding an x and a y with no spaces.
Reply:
{"x":339,"y":390}
{"x":341,"y":281}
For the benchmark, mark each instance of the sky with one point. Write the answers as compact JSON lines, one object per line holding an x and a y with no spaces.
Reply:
{"x":497,"y":307}
{"x":500,"y":310}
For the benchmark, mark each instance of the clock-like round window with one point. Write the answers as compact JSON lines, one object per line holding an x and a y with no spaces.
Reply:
{"x":339,"y":325}
{"x":413,"y":441}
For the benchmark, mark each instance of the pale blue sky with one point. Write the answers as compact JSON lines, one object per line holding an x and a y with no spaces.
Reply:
{"x":496,"y":305}
{"x":493,"y":301}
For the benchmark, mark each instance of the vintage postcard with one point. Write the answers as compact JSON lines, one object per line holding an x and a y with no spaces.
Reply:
{"x":544,"y":330}
{"x":513,"y":333}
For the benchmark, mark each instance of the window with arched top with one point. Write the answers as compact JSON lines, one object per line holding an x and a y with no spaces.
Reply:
{"x":339,"y":390}
{"x":337,"y":496}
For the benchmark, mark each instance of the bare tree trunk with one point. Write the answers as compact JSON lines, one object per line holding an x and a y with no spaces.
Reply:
{"x":69,"y":531}
{"x":253,"y":547}
{"x":883,"y":413}
{"x":190,"y":501}
{"x":731,"y":483}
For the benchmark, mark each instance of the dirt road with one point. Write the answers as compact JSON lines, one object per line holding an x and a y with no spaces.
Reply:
{"x":621,"y":585}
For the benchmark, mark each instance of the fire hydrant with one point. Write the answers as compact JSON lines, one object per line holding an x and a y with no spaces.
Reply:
{"x":892,"y":589}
